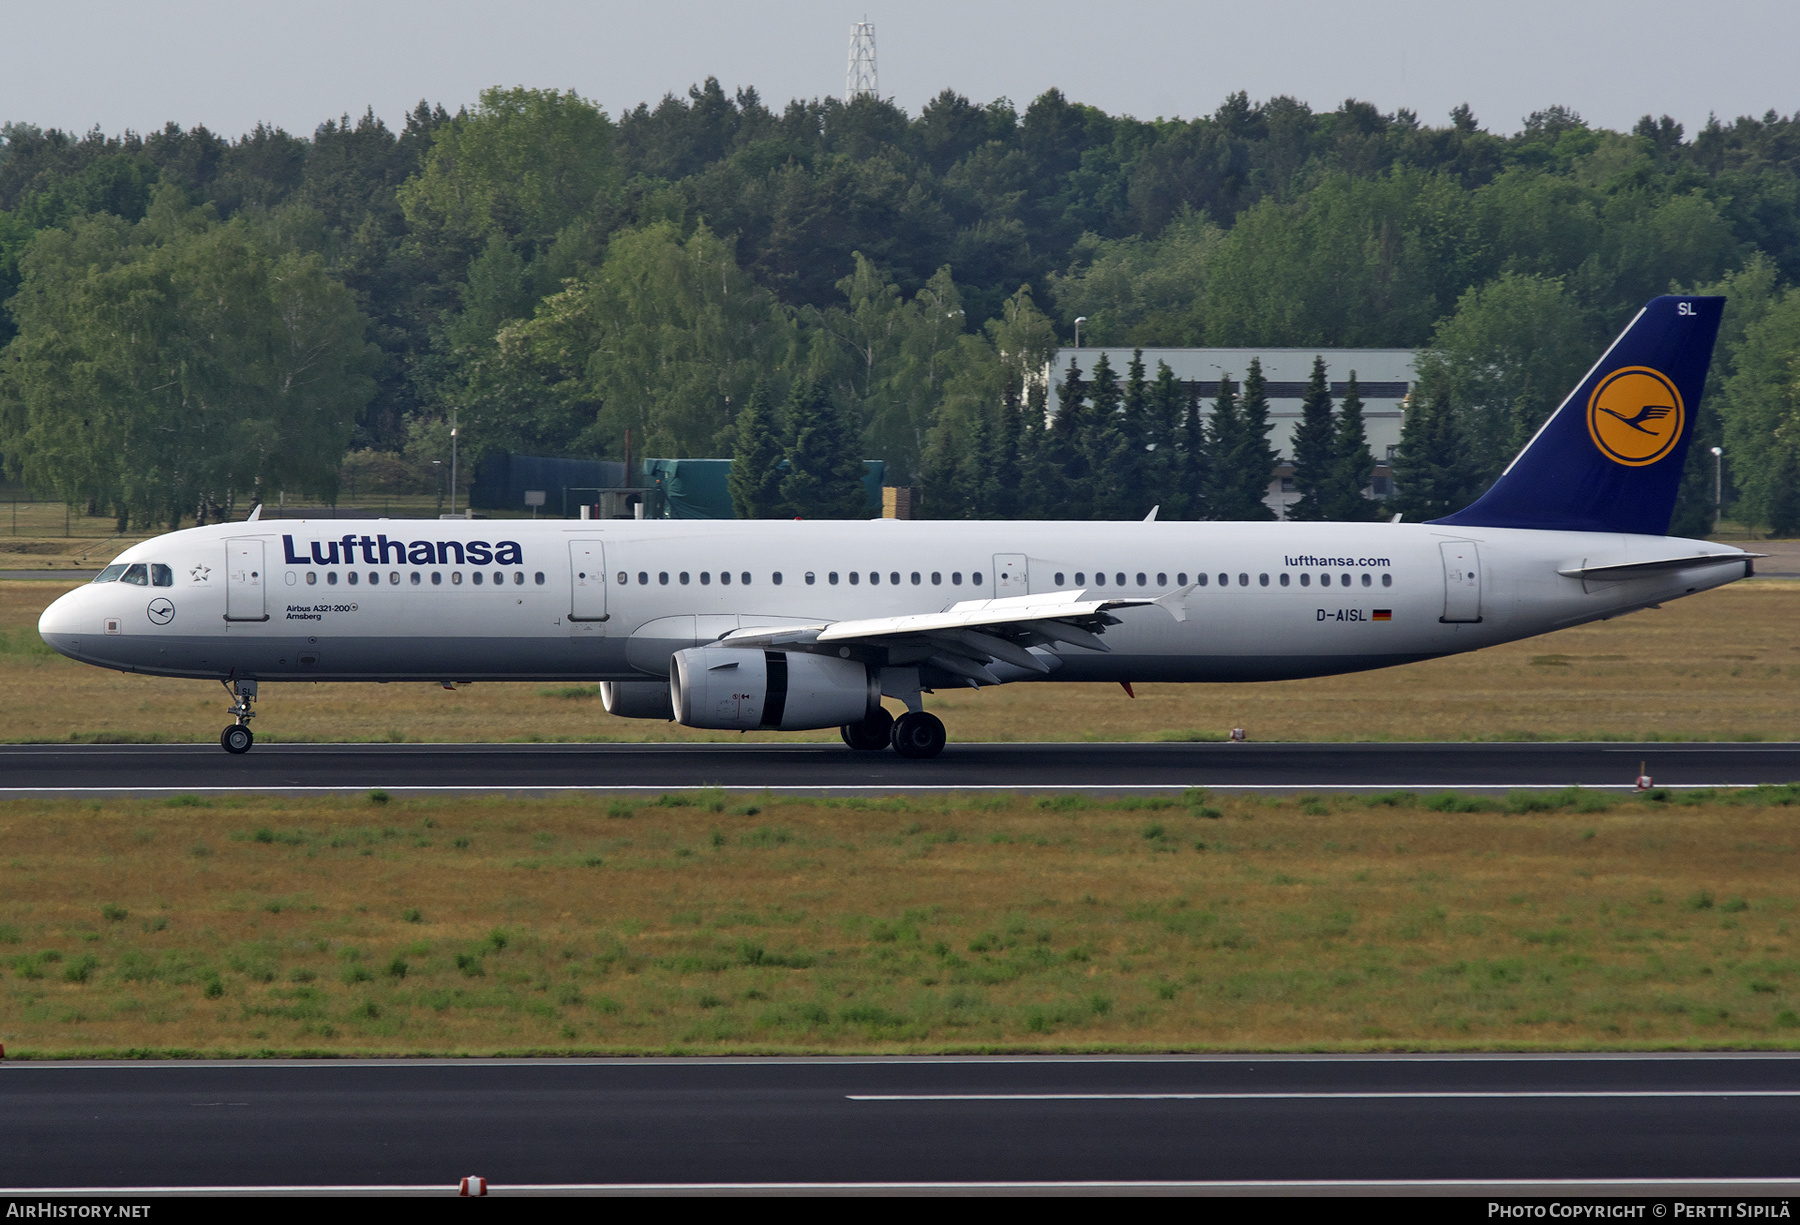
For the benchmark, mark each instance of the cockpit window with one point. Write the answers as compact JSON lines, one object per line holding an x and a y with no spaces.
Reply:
{"x":161,"y":575}
{"x":137,"y":575}
{"x":110,"y":574}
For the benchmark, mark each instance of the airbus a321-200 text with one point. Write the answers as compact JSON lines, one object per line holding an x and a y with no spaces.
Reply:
{"x":789,"y":625}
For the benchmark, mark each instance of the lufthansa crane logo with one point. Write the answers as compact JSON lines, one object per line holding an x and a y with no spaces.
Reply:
{"x":1635,"y":416}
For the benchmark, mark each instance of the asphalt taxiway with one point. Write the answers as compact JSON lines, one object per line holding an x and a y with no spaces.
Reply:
{"x":815,"y":768}
{"x":1631,"y":1124}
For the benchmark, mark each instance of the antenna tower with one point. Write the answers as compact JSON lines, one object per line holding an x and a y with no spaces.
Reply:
{"x":859,"y":81}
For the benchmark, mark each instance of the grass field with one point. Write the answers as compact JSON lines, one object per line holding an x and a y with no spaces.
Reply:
{"x":1724,"y":665}
{"x":752,"y":924}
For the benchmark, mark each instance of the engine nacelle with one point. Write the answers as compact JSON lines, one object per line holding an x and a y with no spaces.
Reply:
{"x":739,"y":689}
{"x":637,"y":699}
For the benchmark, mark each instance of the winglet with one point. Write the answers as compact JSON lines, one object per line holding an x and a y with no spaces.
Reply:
{"x":1175,"y":603}
{"x":255,"y":513}
{"x":1151,"y":517}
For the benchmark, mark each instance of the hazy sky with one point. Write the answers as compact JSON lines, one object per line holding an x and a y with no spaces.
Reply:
{"x":78,"y":63}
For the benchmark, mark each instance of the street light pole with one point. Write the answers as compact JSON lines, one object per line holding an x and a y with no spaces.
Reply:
{"x":1718,"y":484}
{"x":453,"y":461}
{"x":1078,"y":322}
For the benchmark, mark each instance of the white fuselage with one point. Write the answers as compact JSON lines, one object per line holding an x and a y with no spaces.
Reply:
{"x":462,"y":600}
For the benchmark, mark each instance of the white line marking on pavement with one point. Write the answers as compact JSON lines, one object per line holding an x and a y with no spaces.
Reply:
{"x":1397,"y":1094}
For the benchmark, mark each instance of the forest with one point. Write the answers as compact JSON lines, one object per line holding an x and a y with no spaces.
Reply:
{"x":191,"y":321}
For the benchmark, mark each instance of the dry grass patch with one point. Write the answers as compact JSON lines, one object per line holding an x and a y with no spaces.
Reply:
{"x":728,"y":923}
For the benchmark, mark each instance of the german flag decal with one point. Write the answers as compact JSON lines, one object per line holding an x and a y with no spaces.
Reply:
{"x":1384,"y":614}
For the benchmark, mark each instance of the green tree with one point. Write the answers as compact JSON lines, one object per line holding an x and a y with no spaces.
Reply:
{"x":1759,"y":403}
{"x":1106,"y":449}
{"x":1163,"y":475}
{"x":165,"y":368}
{"x":1315,"y":450}
{"x":1241,"y":470}
{"x":1431,"y":469}
{"x":1192,"y":471}
{"x":1352,"y":466}
{"x":756,"y":460}
{"x":825,"y":474}
{"x":1224,"y":429}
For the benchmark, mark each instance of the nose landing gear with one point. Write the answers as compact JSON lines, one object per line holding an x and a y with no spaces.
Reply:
{"x":238,"y":737}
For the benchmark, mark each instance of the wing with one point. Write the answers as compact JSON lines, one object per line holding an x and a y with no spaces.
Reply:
{"x":976,"y":642}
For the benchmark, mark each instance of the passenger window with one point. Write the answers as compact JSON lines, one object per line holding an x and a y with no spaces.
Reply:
{"x":1143,"y":580}
{"x":1080,"y":579}
{"x":624,"y":578}
{"x":161,"y":575}
{"x":331,"y":578}
{"x":684,"y":578}
{"x":915,"y":578}
{"x":956,"y":578}
{"x":855,"y":578}
{"x":1243,"y":580}
{"x":1059,"y":578}
{"x":1387,"y":580}
{"x":475,"y":577}
{"x":456,"y":578}
{"x":352,"y":577}
{"x":374,"y":578}
{"x":312,"y":578}
{"x":136,"y":575}
{"x":894,"y":578}
{"x":416,"y":579}
{"x":540,"y":578}
{"x":1162,"y":580}
{"x":519,"y":578}
{"x":874,"y":578}
{"x":1224,"y":580}
{"x":393,"y":578}
{"x":937,"y":579}
{"x":1200,"y":579}
{"x":1367,"y":581}
{"x":1181,"y":579}
{"x":744,"y":578}
{"x":706,"y":578}
{"x":643,"y":578}
{"x":437,"y":578}
{"x":832,"y":578}
{"x":110,"y":574}
{"x":1120,"y":578}
{"x":724,"y":578}
{"x":1099,"y":579}
{"x":776,"y":578}
{"x":810,"y":580}
{"x":1284,"y":580}
{"x":1343,"y":580}
{"x":975,"y":579}
{"x":1306,"y":580}
{"x":1262,"y":579}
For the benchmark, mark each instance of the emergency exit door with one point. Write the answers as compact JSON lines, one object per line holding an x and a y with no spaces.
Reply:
{"x":1011,"y":576}
{"x":587,"y":584}
{"x":246,"y":581}
{"x":1462,"y":581}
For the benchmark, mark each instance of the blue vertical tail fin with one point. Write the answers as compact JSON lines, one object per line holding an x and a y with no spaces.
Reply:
{"x":1610,"y":458}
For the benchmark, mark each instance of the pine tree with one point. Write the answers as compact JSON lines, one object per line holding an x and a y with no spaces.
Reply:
{"x":1107,"y":446}
{"x":1006,"y":455}
{"x":1432,"y":472}
{"x":1222,"y":430}
{"x":1162,"y":458}
{"x":1066,"y":450}
{"x":1040,"y":484}
{"x":1191,"y":467}
{"x":1246,"y":469}
{"x":1352,"y":466}
{"x":1130,"y":466}
{"x":825,"y":475}
{"x":1315,"y":451}
{"x":755,"y":479}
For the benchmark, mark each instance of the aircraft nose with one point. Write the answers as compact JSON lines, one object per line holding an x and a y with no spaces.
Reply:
{"x":59,"y":625}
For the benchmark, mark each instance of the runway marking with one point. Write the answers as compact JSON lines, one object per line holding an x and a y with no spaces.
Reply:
{"x":1355,"y":1095}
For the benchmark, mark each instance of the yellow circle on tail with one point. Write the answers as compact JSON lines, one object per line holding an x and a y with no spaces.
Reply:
{"x":1635,"y":416}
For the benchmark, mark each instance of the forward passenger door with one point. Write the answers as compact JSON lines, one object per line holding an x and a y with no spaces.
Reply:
{"x":587,"y":587}
{"x":246,"y":581}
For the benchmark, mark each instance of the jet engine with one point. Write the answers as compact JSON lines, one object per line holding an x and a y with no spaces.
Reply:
{"x":637,"y":699}
{"x":739,"y":689}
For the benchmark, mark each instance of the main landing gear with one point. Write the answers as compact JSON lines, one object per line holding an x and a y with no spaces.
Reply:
{"x":238,"y":737}
{"x":914,"y":734}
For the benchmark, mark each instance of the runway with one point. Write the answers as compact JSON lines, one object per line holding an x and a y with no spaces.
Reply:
{"x":1400,"y":1122}
{"x":815,"y":768}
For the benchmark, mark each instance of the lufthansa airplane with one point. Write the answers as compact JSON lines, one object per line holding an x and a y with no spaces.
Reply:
{"x":790,"y":625}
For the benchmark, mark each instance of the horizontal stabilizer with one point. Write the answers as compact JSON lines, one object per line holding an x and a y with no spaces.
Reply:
{"x":1645,"y":569}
